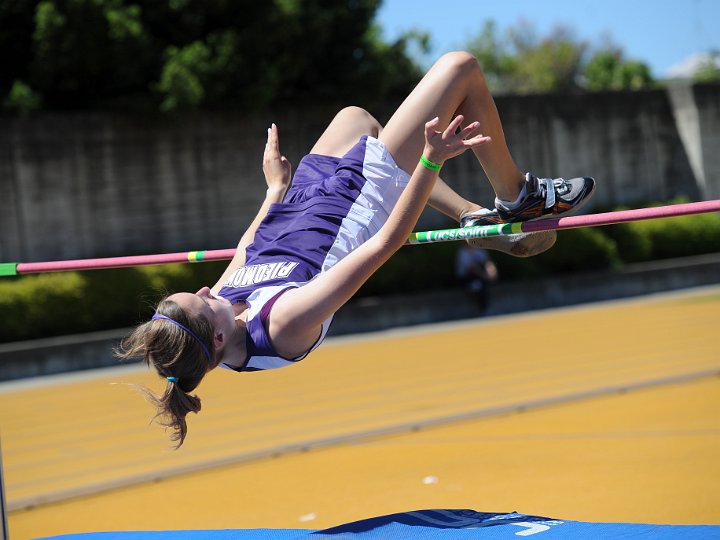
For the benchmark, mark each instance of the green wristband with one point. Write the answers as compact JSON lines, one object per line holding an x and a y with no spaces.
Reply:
{"x":429,"y":164}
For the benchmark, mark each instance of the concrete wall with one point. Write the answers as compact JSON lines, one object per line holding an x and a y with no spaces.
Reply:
{"x":91,"y":184}
{"x":697,"y":116}
{"x":85,"y":185}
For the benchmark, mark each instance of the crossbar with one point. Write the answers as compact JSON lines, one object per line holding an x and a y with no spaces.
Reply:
{"x":572,"y":222}
{"x":444,"y":235}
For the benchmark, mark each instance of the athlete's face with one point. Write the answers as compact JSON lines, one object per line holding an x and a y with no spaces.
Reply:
{"x":218,"y":311}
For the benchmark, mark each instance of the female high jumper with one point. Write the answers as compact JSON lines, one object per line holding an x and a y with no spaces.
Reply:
{"x":353,"y":202}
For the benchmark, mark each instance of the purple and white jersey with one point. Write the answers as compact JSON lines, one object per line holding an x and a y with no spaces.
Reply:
{"x":332,"y":207}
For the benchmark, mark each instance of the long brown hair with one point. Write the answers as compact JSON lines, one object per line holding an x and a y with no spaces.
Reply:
{"x":174,"y":353}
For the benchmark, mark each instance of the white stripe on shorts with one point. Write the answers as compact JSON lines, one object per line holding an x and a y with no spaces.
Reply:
{"x":384,"y":183}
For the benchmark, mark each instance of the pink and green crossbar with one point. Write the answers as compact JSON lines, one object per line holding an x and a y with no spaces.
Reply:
{"x":444,"y":235}
{"x":12,"y":269}
{"x":572,"y":222}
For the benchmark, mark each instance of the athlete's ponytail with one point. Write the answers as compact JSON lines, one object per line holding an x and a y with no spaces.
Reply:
{"x":181,"y":350}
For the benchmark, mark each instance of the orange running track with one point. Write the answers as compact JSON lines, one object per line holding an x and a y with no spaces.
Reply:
{"x":607,"y":412}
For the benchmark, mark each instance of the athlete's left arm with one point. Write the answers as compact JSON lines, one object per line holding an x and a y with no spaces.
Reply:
{"x":278,"y":174}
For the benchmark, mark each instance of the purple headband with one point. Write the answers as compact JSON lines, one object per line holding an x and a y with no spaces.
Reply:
{"x":207,"y":352}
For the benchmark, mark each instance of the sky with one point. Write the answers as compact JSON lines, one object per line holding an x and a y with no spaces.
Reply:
{"x":661,"y":33}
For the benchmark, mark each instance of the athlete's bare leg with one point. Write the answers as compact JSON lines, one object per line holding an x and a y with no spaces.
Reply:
{"x":352,"y":123}
{"x":345,"y":130}
{"x":454,"y":85}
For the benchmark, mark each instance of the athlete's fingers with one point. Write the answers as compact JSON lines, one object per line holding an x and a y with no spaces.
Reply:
{"x":478,"y":140}
{"x":275,"y":136}
{"x":431,"y":125}
{"x":469,"y":130}
{"x":273,"y":142}
{"x":453,"y":126}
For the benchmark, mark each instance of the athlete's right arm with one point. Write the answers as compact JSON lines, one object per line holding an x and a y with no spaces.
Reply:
{"x":278,"y":174}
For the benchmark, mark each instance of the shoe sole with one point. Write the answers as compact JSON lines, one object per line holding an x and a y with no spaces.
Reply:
{"x":518,"y":245}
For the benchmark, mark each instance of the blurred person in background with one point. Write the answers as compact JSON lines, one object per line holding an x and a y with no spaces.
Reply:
{"x":476,"y":272}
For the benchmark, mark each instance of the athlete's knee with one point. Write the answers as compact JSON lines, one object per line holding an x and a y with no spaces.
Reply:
{"x":461,"y":63}
{"x":360,"y":118}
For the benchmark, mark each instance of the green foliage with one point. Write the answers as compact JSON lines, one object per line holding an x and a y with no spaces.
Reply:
{"x":64,"y":303}
{"x":38,"y":307}
{"x":581,"y":250}
{"x":709,"y":71}
{"x":86,"y":52}
{"x":665,"y":238}
{"x":681,"y":236}
{"x":22,"y":98}
{"x":198,"y":54}
{"x":633,"y":243}
{"x":414,"y":269}
{"x":184,"y":76}
{"x":600,"y":70}
{"x":123,"y":21}
{"x":497,"y":62}
{"x":520,"y":61}
{"x":607,"y":70}
{"x":576,"y":250}
{"x":551,"y":65}
{"x":633,"y":75}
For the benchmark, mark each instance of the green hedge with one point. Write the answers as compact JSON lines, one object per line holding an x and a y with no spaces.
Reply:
{"x":72,"y":302}
{"x":665,"y":238}
{"x":59,"y":304}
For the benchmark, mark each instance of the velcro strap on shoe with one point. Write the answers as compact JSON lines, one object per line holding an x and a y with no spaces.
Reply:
{"x":549,"y":191}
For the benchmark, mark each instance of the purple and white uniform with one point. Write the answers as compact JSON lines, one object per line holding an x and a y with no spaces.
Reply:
{"x":332,"y":207}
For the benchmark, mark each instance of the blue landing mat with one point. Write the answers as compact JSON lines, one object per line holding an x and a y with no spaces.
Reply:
{"x":436,"y":525}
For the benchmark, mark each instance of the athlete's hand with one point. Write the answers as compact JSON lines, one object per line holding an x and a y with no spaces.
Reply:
{"x":453,"y":141}
{"x":277,"y":168}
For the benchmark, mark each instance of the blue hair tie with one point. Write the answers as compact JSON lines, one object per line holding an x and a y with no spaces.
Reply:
{"x":172,"y":379}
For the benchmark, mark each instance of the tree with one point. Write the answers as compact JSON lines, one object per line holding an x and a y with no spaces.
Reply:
{"x":607,"y":70}
{"x":176,"y":54}
{"x":16,"y":30}
{"x":497,"y":61}
{"x":521,"y":61}
{"x":551,"y":65}
{"x":76,"y":52}
{"x":709,"y":70}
